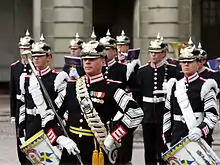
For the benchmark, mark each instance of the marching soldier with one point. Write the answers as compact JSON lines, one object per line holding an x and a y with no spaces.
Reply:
{"x":123,"y":43}
{"x":74,"y":71}
{"x":204,"y":71}
{"x":126,"y":74}
{"x":190,"y":107}
{"x":93,"y":102}
{"x":54,"y":83}
{"x":17,"y":68}
{"x":152,"y":78}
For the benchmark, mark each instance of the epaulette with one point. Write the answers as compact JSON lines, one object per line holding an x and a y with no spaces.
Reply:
{"x":113,"y":81}
{"x":211,"y":70}
{"x":70,"y":80}
{"x":203,"y":79}
{"x":122,"y":63}
{"x":28,"y":76}
{"x":14,"y":63}
{"x":143,"y":65}
{"x":171,"y":64}
{"x":54,"y":71}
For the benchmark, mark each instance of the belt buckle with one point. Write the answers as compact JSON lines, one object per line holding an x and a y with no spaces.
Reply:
{"x":155,"y":99}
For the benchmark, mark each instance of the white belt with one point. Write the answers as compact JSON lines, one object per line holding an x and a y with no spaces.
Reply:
{"x":153,"y":99}
{"x":198,"y":115}
{"x":34,"y":111}
{"x":20,"y":97}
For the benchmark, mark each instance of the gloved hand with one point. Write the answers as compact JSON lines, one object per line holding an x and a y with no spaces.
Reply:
{"x":68,"y":144}
{"x":195,"y":134}
{"x":109,"y":142}
{"x":73,"y":73}
{"x":12,"y":120}
{"x":22,"y":140}
{"x":111,"y":145}
{"x":168,"y":145}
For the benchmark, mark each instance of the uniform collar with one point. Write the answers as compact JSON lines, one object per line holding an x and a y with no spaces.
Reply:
{"x":191,"y":78}
{"x":112,"y":62}
{"x":93,"y":79}
{"x":159,"y":64}
{"x":202,"y":69}
{"x":43,"y":71}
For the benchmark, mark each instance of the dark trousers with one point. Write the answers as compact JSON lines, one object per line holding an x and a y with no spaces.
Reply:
{"x":125,"y":153}
{"x":153,"y":143}
{"x":21,"y":156}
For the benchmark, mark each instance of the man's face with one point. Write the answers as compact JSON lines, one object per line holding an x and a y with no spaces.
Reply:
{"x":157,"y":57}
{"x":123,"y":48}
{"x":201,"y":63}
{"x":110,"y":53}
{"x":75,"y":52}
{"x":23,"y":57}
{"x":189,"y":68}
{"x":41,"y":62}
{"x":93,"y":66}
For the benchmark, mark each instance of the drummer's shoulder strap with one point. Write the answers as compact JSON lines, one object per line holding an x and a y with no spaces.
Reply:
{"x":184,"y":104}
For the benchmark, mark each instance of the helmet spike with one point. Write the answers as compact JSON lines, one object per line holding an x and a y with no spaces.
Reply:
{"x":93,"y":36}
{"x":190,"y":42}
{"x":122,"y":32}
{"x":42,"y":37}
{"x":108,"y":33}
{"x":199,"y":45}
{"x":27,"y":33}
{"x":158,"y":36}
{"x":77,"y":35}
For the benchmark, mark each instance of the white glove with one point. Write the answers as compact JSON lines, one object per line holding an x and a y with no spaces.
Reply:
{"x":73,"y":73}
{"x":195,"y":134}
{"x":168,"y":145}
{"x":22,"y":140}
{"x":12,"y":120}
{"x":111,"y":145}
{"x":109,"y":142}
{"x":68,"y":144}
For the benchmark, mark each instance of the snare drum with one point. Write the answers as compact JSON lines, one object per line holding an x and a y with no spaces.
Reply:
{"x":39,"y":150}
{"x":187,"y":152}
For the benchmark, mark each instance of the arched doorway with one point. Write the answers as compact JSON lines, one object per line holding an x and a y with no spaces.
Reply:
{"x":210,"y":27}
{"x":114,"y":15}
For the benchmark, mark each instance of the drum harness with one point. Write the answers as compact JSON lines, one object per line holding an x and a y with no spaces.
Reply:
{"x":92,"y":118}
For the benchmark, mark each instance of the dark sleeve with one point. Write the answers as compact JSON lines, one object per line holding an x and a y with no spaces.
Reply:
{"x":13,"y":99}
{"x":131,"y":118}
{"x":138,"y":92}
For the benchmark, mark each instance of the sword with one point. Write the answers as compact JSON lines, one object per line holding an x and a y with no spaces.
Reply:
{"x":49,"y":101}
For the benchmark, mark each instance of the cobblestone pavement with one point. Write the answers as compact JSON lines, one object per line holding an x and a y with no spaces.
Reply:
{"x":8,"y":153}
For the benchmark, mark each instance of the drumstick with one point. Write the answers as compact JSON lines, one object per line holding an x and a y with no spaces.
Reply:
{"x":49,"y":101}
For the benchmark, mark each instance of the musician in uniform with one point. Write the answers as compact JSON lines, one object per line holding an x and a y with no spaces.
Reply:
{"x":93,"y":103}
{"x":17,"y":68}
{"x":203,"y":70}
{"x":152,"y":79}
{"x":190,"y":107}
{"x":29,"y":118}
{"x":125,"y":73}
{"x":75,"y":47}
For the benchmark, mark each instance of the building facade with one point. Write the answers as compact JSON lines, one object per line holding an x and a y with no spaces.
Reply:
{"x":59,"y":20}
